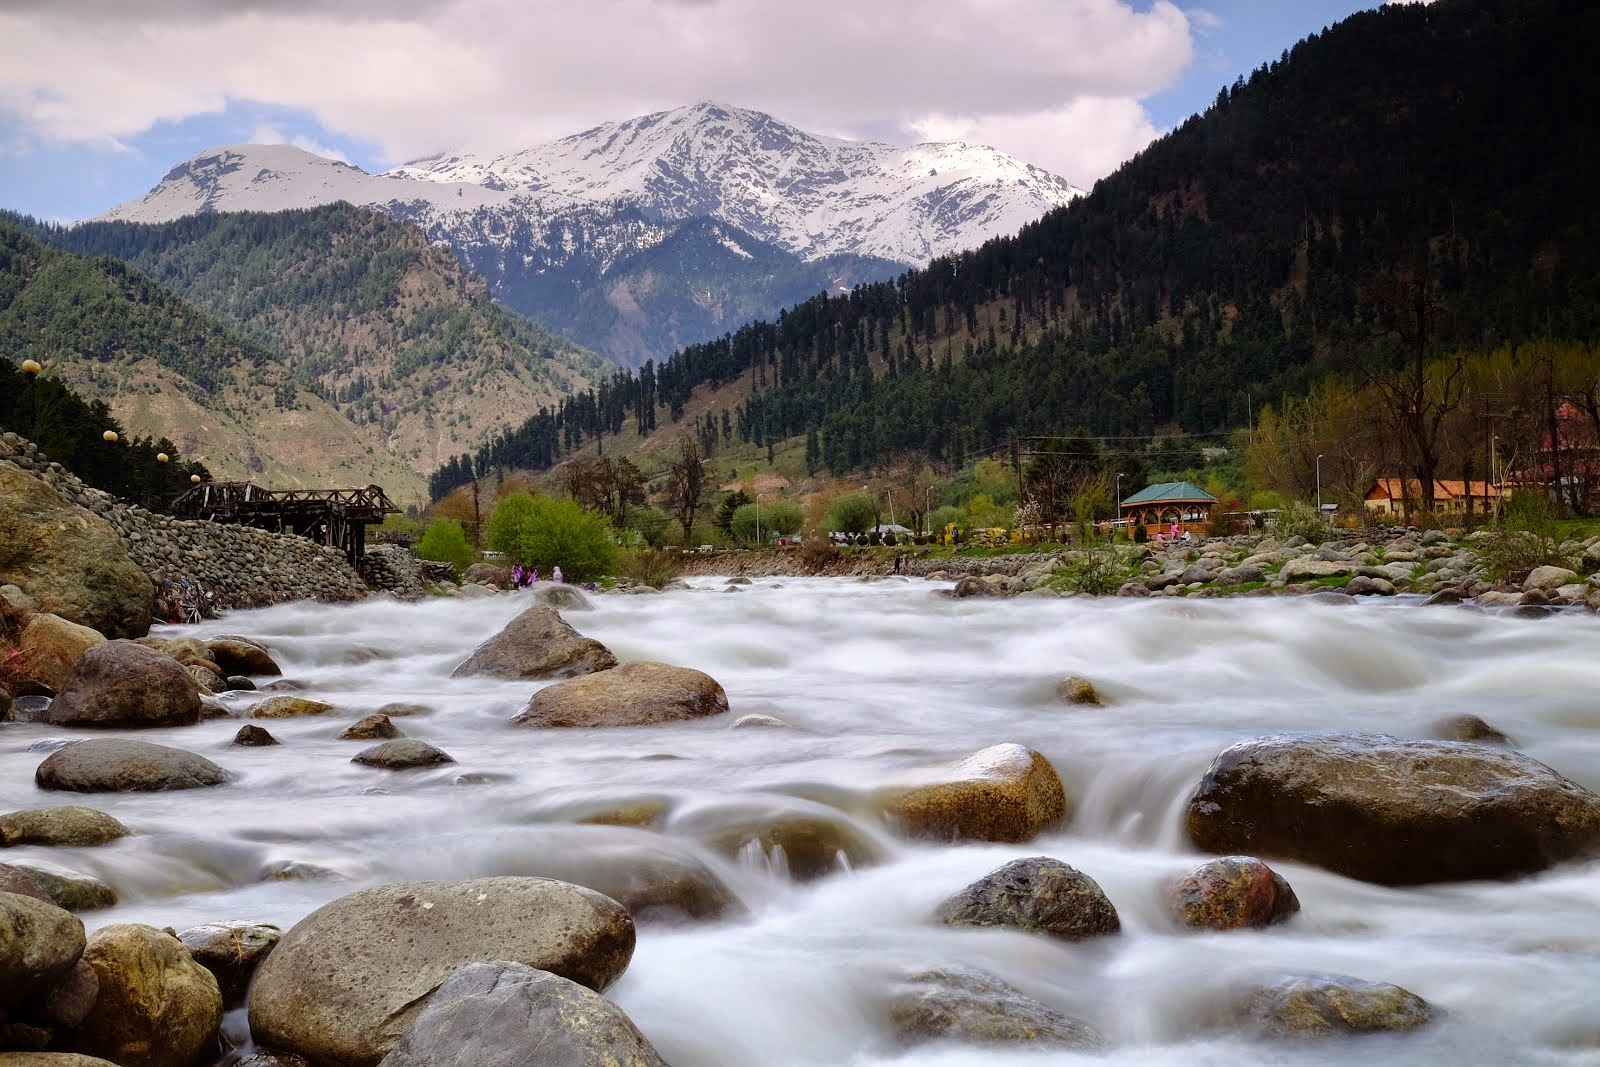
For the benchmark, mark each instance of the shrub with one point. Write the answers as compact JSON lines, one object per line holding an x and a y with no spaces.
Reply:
{"x":852,"y":514}
{"x":818,"y":554}
{"x":944,"y":516}
{"x":1524,"y":538}
{"x":1098,"y":571}
{"x":561,"y":532}
{"x":653,"y":524}
{"x":445,"y":541}
{"x":654,"y":567}
{"x":511,"y":516}
{"x":745,"y":523}
{"x":784,"y":516}
{"x":1301,"y":519}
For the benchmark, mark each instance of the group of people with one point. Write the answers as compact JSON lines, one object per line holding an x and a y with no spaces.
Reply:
{"x":523,"y":577}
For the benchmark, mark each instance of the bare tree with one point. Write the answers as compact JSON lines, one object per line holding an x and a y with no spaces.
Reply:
{"x":687,"y":475}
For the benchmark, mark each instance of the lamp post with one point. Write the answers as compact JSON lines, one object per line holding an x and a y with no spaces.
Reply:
{"x":758,"y":518}
{"x":109,"y":437}
{"x":1319,"y":485}
{"x":194,"y":479}
{"x":31,"y":368}
{"x":1494,"y":470}
{"x":1116,"y":519}
{"x":927,"y":509}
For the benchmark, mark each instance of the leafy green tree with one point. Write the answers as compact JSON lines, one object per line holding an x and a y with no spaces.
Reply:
{"x":745,"y":525}
{"x":851,"y":514}
{"x":653,"y":524}
{"x":510,"y":518}
{"x":446,"y":542}
{"x":730,"y":504}
{"x":784,"y":516}
{"x":561,"y":532}
{"x":944,"y":516}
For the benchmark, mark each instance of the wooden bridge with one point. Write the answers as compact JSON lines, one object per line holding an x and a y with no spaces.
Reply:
{"x":337,"y":518}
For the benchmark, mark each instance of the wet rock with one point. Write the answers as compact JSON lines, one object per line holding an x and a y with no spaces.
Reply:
{"x":287,"y":707}
{"x":804,"y":839}
{"x":634,"y":694}
{"x":1446,"y":596}
{"x":1232,"y":893}
{"x":492,"y":1014}
{"x":73,"y":998}
{"x":208,"y":680}
{"x":961,"y":1004}
{"x":1076,"y":689}
{"x":371,"y":728}
{"x":644,"y":813}
{"x":1003,"y":793}
{"x":268,"y":1058}
{"x":537,"y":644}
{"x":120,"y":683}
{"x":750,"y":722}
{"x":16,"y":880}
{"x":293,"y":871}
{"x":1039,"y":895}
{"x":231,"y":951}
{"x":401,"y":754}
{"x":1548,"y":579}
{"x":51,"y":646}
{"x":1299,"y":1006}
{"x":285,"y":685}
{"x":39,"y":943}
{"x":252,"y":736}
{"x":59,"y":826}
{"x":1470,"y":728}
{"x":562,"y":597}
{"x":346,"y":983}
{"x":114,"y":765}
{"x":973,"y":587}
{"x":402,"y":711}
{"x":51,"y":1059}
{"x":157,"y":1007}
{"x":76,"y":565}
{"x":30,"y":708}
{"x":1363,"y":585}
{"x":238,"y":683}
{"x":69,"y":890}
{"x":1391,"y":811}
{"x":240,"y":655}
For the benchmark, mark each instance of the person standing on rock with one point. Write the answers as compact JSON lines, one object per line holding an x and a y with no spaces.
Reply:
{"x":555,"y":574}
{"x":516,"y":576}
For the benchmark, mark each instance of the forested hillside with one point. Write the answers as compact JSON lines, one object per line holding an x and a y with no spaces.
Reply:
{"x":168,"y":370}
{"x":365,"y":311}
{"x":1414,"y":179}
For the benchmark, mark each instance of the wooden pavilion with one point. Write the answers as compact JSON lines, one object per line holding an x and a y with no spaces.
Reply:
{"x":1158,"y":508}
{"x":337,"y":518}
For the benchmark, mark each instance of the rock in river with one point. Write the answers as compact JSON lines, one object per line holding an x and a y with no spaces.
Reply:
{"x":39,"y":943}
{"x":805,"y":839}
{"x":634,"y":694}
{"x":1329,"y":1005}
{"x":114,"y":765}
{"x":157,"y":1007}
{"x":231,"y":951}
{"x":120,"y":683}
{"x":287,"y":707}
{"x":51,"y":646}
{"x":1232,"y":893}
{"x":59,"y":826}
{"x":1003,"y":793}
{"x":252,"y":736}
{"x":537,"y":644}
{"x":1039,"y":895}
{"x":1391,"y":811}
{"x":494,"y":1014}
{"x":961,"y":1004}
{"x":345,"y":984}
{"x":74,"y":892}
{"x":402,"y":754}
{"x":371,"y":728}
{"x":240,"y":655}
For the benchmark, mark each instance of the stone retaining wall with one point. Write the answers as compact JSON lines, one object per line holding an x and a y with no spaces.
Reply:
{"x":240,"y":567}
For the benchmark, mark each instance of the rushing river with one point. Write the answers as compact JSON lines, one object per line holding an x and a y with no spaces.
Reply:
{"x":879,"y":680}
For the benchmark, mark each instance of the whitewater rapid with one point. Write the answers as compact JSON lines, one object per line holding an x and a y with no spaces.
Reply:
{"x":878,"y":680}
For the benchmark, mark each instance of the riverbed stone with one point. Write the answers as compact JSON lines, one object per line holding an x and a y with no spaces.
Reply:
{"x":51,"y":1059}
{"x":1005,"y":793}
{"x":1391,"y":811}
{"x":1039,"y":895}
{"x":39,"y":943}
{"x":634,"y":694}
{"x":371,"y":728}
{"x":1305,"y":569}
{"x":157,"y":1007}
{"x":116,"y":765}
{"x":1469,"y":728}
{"x":491,"y":1014}
{"x":124,"y":684}
{"x":402,"y":754}
{"x":252,"y":736}
{"x":71,"y":890}
{"x":1548,"y":579}
{"x":1076,"y":689}
{"x":75,"y":563}
{"x":537,"y":644}
{"x":73,"y":998}
{"x":804,"y":839}
{"x":288,"y":707}
{"x":1232,"y":893}
{"x":231,"y":951}
{"x":561,"y":596}
{"x":71,"y":825}
{"x":1308,"y":1006}
{"x":346,"y":983}
{"x":971,"y":1006}
{"x":51,"y":646}
{"x":241,"y":655}
{"x":402,"y":710}
{"x":18,"y":881}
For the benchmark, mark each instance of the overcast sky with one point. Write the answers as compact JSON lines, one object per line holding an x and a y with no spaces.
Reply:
{"x":99,"y":98}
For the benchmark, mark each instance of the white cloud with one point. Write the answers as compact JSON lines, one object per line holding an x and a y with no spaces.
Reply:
{"x":267,"y":133}
{"x":497,"y":74}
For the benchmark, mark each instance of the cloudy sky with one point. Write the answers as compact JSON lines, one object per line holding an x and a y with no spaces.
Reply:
{"x":99,"y":98}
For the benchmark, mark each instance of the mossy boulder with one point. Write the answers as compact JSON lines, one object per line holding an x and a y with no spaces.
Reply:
{"x":1309,"y":1006}
{"x":39,"y":944}
{"x":537,"y":644}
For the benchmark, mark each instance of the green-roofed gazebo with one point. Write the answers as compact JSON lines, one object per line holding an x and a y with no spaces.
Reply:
{"x":1169,"y":508}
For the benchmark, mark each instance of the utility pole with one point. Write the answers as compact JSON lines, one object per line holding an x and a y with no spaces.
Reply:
{"x":1016,"y":461}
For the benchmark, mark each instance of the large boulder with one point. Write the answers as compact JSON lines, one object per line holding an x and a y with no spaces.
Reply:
{"x":39,"y":943}
{"x":59,"y":826}
{"x":1004,"y":793}
{"x":961,"y":1004}
{"x":51,"y":645}
{"x":1038,"y":895}
{"x":561,"y":596}
{"x":1299,"y":1006}
{"x":537,"y":644}
{"x":634,"y":694}
{"x":114,"y":765}
{"x":346,"y":983}
{"x":69,"y":559}
{"x":495,"y":1014}
{"x":1391,"y":811}
{"x":231,"y":951}
{"x":121,"y":684}
{"x":241,"y":655}
{"x":1232,"y":893}
{"x":157,"y":1007}
{"x":489,"y":574}
{"x":1548,"y":578}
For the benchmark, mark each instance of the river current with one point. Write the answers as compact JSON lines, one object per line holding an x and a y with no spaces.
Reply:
{"x":879,"y":680}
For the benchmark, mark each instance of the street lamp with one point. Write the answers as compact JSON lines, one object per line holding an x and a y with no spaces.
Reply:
{"x":110,"y":437}
{"x":1117,"y":518}
{"x":194,"y":479}
{"x":927,"y":509}
{"x":1319,"y":485}
{"x":31,"y":366}
{"x":162,"y":457}
{"x":758,"y":518}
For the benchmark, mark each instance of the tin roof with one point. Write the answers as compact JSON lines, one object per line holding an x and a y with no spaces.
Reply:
{"x":1173,"y":492}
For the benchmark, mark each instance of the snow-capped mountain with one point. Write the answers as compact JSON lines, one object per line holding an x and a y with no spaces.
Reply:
{"x":546,"y":224}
